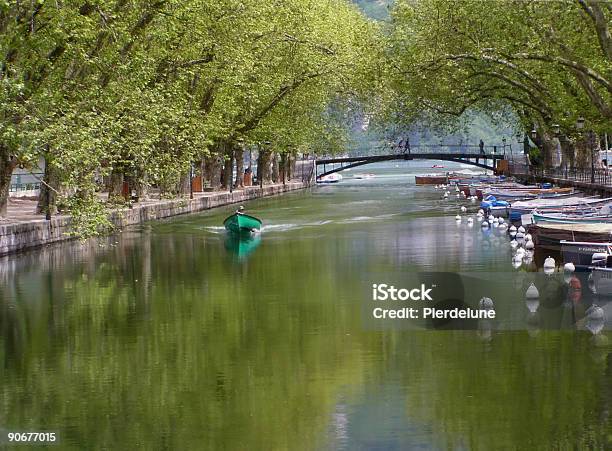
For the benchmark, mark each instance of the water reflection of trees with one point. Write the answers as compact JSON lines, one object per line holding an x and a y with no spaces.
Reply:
{"x":164,"y":340}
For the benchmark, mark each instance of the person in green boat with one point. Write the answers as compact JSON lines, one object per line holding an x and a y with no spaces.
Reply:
{"x":240,"y":210}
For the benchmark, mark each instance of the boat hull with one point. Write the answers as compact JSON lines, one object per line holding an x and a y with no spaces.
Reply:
{"x":239,"y":223}
{"x":431,"y":179}
{"x":562,"y":219}
{"x":580,"y":253}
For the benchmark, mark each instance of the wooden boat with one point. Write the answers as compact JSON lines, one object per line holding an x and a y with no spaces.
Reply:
{"x":431,"y":179}
{"x":550,"y":234}
{"x":575,"y":217}
{"x":527,"y":193}
{"x":240,"y":223}
{"x":554,"y":205}
{"x":580,"y":253}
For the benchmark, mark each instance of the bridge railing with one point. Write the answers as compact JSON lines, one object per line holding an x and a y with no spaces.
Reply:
{"x":444,"y":149}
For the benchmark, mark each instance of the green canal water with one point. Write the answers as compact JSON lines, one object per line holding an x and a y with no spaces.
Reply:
{"x":169,"y":336}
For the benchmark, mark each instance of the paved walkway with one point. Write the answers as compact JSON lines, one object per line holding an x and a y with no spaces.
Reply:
{"x":24,"y":210}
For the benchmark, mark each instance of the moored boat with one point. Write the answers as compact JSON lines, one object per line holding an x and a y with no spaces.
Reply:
{"x":431,"y":179}
{"x":330,"y":178}
{"x":550,"y":234}
{"x":571,"y":218}
{"x":555,"y":205}
{"x":580,"y":253}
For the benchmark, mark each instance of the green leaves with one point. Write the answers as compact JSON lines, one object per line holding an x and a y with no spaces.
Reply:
{"x":547,"y":61}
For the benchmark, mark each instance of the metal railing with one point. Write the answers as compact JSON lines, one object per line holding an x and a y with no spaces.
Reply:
{"x":13,"y":188}
{"x":596,"y":176}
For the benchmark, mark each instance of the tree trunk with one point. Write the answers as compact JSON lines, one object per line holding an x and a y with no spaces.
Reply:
{"x":115,"y":191}
{"x":184,"y":184}
{"x":568,"y":154}
{"x":7,"y":164}
{"x":283,"y":167}
{"x":47,"y":198}
{"x":142,"y":186}
{"x":228,"y":167}
{"x":213,"y":171}
{"x":292,"y":165}
{"x":239,"y":152}
{"x":263,"y":166}
{"x":275,"y":168}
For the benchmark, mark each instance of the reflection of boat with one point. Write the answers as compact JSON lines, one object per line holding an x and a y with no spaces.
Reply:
{"x":330,"y":178}
{"x":241,"y":223}
{"x":580,"y":253}
{"x":242,"y":246}
{"x":364,"y":176}
{"x":601,"y":274}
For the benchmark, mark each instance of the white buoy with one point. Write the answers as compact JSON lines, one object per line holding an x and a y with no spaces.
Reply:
{"x":495,"y":221}
{"x":520,"y":236}
{"x":458,"y":218}
{"x":521,"y":229}
{"x":513,"y":244}
{"x":549,"y":263}
{"x":517,"y":258}
{"x":473,"y":199}
{"x":512,"y":234}
{"x":491,"y":218}
{"x":445,"y":196}
{"x":569,"y":267}
{"x":520,"y":251}
{"x":529,"y":245}
{"x":470,"y":220}
{"x":513,"y":228}
{"x":528,"y":237}
{"x":480,"y":212}
{"x":484,"y":224}
{"x":457,"y":196}
{"x":463,"y":209}
{"x":516,"y":264}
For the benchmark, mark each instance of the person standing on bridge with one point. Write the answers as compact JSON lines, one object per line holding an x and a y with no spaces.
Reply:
{"x":481,"y":146}
{"x":407,"y":145}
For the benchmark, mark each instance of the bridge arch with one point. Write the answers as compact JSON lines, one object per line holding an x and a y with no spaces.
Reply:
{"x":341,"y":164}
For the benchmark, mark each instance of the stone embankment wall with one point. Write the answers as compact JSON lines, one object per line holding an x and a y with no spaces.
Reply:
{"x":19,"y":236}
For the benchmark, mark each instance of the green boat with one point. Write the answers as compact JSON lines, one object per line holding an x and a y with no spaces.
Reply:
{"x":240,"y":223}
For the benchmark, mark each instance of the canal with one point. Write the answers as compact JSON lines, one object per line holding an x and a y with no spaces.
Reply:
{"x":170,"y":336}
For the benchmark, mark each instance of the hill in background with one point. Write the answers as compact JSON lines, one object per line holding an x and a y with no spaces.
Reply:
{"x":376,"y":9}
